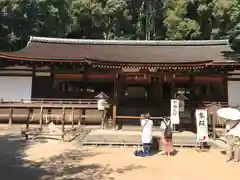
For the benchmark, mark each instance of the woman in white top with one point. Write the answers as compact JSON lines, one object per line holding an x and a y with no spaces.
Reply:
{"x":147,"y":125}
{"x":233,"y":140}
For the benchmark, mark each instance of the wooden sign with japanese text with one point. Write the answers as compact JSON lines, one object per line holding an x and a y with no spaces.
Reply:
{"x":175,"y":111}
{"x":202,"y":125}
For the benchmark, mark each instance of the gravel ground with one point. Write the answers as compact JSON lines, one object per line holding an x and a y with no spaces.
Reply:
{"x":55,"y":160}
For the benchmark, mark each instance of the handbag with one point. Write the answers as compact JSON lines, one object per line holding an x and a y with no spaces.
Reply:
{"x":144,"y":125}
{"x":168,"y":131}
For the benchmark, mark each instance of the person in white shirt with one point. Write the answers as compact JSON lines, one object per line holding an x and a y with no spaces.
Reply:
{"x":233,"y":140}
{"x":147,"y":125}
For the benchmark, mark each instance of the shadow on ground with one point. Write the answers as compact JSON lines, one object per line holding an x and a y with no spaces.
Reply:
{"x":66,"y":166}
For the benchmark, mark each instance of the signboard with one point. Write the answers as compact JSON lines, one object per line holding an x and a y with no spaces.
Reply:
{"x":175,"y":111}
{"x":202,"y":125}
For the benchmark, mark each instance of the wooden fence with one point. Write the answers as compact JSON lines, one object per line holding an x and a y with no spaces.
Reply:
{"x":44,"y":111}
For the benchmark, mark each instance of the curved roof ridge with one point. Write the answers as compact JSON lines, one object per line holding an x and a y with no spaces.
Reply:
{"x":129,"y":42}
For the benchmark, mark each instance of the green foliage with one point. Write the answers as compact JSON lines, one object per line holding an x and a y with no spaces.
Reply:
{"x":40,"y":18}
{"x":118,"y":19}
{"x":234,"y":38}
{"x":179,"y":27}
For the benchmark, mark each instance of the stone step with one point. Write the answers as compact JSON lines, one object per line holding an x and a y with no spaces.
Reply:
{"x":133,"y":139}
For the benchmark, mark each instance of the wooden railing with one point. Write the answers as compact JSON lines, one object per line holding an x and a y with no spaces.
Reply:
{"x":68,"y":110}
{"x":46,"y":110}
{"x":50,"y":101}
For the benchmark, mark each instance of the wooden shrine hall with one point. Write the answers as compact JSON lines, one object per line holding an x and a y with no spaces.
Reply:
{"x":138,"y":76}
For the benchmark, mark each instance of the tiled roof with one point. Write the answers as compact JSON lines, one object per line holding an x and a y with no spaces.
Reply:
{"x":127,"y":42}
{"x":123,"y":51}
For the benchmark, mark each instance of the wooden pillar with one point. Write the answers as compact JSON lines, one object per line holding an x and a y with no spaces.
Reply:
{"x":10,"y":116}
{"x":85,"y":86}
{"x":72,"y":117}
{"x":115,"y":101}
{"x":173,"y":96}
{"x":41,"y":118}
{"x":225,"y":87}
{"x":63,"y":119}
{"x":214,"y":118}
{"x":193,"y":108}
{"x":173,"y":86}
{"x":114,"y":118}
{"x":51,"y":89}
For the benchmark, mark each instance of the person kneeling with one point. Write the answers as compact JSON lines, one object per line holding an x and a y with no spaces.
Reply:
{"x":166,"y":128}
{"x":147,"y":125}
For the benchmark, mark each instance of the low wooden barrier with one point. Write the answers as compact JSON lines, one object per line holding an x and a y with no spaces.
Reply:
{"x":134,"y":118}
{"x":138,"y":117}
{"x":50,"y":111}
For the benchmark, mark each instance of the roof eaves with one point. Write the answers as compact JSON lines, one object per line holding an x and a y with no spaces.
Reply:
{"x":128,"y":42}
{"x":23,"y":58}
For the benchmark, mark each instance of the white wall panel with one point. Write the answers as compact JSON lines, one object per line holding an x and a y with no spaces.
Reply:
{"x":234,"y":92}
{"x":15,"y":88}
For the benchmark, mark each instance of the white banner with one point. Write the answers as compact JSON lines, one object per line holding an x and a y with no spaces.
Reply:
{"x":175,"y":111}
{"x":202,"y":125}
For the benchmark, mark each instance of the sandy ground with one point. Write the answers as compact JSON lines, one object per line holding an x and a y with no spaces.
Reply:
{"x":50,"y":159}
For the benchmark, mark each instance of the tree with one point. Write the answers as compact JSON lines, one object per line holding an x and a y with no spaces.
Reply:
{"x":117,"y":19}
{"x":216,"y":17}
{"x":101,"y":19}
{"x":160,"y":29}
{"x":234,"y":38}
{"x":178,"y":26}
{"x":225,"y":14}
{"x":20,"y":19}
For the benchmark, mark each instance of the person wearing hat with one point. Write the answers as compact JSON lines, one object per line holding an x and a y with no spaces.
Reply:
{"x":233,"y":140}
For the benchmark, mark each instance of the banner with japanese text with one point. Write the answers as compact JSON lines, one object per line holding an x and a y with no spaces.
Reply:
{"x":202,"y":125}
{"x":175,"y":111}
